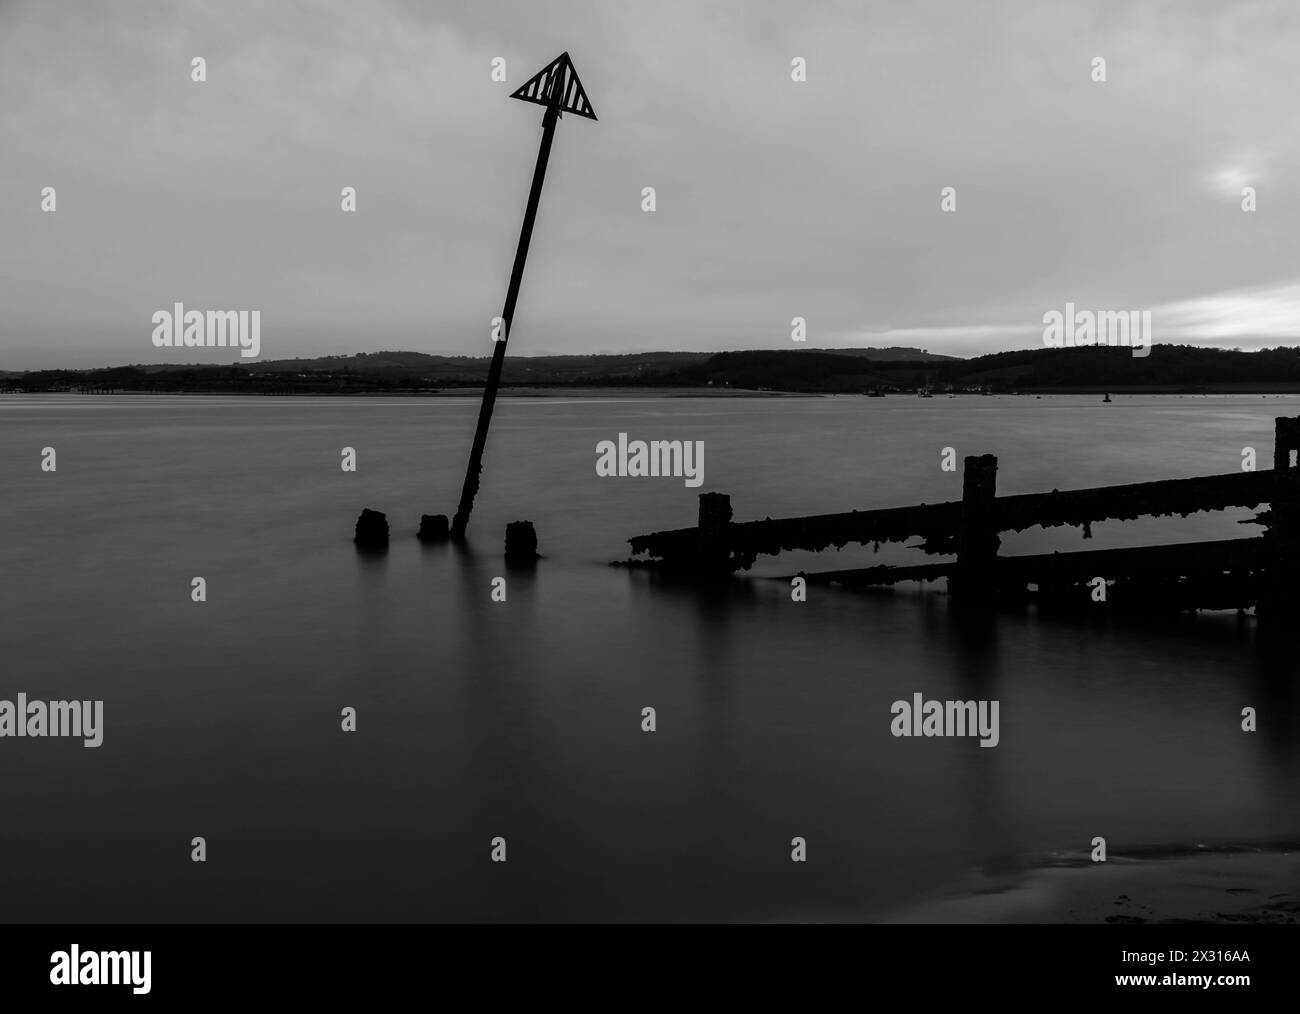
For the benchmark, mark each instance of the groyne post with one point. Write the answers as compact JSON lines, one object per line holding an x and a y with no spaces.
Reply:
{"x":977,"y":537}
{"x":1278,"y":593}
{"x":714,"y":519}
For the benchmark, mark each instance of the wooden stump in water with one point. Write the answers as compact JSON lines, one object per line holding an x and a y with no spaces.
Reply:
{"x":433,"y":528}
{"x":521,"y":542}
{"x":371,"y":530}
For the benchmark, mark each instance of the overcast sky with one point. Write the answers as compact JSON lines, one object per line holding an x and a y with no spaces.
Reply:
{"x":775,"y":198}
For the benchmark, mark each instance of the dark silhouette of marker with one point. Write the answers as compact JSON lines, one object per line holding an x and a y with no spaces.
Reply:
{"x":558,"y":89}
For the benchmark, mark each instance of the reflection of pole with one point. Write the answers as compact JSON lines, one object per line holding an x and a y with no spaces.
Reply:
{"x":468,"y":491}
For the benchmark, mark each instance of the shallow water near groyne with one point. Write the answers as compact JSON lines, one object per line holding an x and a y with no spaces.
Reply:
{"x":522,"y":719}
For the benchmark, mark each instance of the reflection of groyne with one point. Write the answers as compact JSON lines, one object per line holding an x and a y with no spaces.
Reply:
{"x":1233,"y":573}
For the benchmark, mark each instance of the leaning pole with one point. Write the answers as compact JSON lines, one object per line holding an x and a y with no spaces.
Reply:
{"x":558,"y":89}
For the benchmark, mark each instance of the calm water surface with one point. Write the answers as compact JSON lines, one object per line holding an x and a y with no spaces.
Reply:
{"x":478,"y":719}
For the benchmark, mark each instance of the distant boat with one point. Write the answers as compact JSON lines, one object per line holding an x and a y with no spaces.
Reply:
{"x":873,"y":393}
{"x":924,"y":393}
{"x":1106,"y":399}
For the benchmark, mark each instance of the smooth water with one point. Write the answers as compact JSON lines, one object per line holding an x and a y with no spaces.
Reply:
{"x":522,"y":719}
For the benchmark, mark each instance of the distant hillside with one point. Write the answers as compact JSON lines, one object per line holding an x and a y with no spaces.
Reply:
{"x":1167,"y":368}
{"x":847,"y":371}
{"x":395,"y":372}
{"x":893,"y":354}
{"x":472,"y":370}
{"x":560,"y":369}
{"x":1180,"y":367}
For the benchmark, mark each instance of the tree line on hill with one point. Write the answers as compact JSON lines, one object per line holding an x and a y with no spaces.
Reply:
{"x":857,"y":371}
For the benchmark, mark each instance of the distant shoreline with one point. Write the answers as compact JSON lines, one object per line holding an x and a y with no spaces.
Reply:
{"x":562,"y":391}
{"x":458,"y":393}
{"x":895,"y":372}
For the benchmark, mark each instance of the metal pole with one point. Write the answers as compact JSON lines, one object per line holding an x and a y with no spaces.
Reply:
{"x":470,"y":489}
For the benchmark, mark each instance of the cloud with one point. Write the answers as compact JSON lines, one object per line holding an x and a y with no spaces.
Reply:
{"x":1259,"y":316}
{"x":775,"y":199}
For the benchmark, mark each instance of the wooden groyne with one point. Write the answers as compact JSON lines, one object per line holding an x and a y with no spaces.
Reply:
{"x":1233,"y":573}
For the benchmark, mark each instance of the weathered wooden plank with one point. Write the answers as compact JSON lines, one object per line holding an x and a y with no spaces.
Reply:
{"x":1178,"y":569}
{"x":1163,"y":497}
{"x":938,"y":524}
{"x":880,"y":575}
{"x":816,"y":532}
{"x":1177,"y":559}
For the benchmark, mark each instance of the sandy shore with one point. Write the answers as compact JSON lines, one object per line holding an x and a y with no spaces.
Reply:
{"x":1232,"y":885}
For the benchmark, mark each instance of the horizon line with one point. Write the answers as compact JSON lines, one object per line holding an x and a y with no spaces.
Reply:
{"x":245,"y":363}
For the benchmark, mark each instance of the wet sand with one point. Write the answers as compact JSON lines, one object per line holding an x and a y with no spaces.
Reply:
{"x":1224,"y":885}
